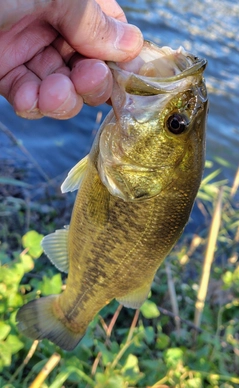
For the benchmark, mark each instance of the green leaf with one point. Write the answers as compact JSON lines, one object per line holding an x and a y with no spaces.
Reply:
{"x":104,"y":381}
{"x":12,"y":276}
{"x":131,"y":363}
{"x":60,"y":379}
{"x":32,"y":241}
{"x":195,"y":382}
{"x":149,"y":335}
{"x":14,"y":343}
{"x":27,"y":262}
{"x":162,"y":341}
{"x":4,"y":330}
{"x":227,"y":278}
{"x":5,"y":354}
{"x":149,"y":310}
{"x":15,"y":300}
{"x":173,"y":357}
{"x":107,"y":356}
{"x":51,"y":285}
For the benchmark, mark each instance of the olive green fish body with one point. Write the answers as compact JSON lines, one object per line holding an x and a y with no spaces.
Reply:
{"x":136,"y":191}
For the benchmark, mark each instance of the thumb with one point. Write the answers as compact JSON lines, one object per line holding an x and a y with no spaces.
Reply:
{"x":95,"y":35}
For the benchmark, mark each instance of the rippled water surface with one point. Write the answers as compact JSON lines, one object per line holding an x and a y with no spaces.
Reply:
{"x":207,"y":28}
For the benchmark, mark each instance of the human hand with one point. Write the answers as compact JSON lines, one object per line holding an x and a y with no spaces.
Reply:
{"x":45,"y":50}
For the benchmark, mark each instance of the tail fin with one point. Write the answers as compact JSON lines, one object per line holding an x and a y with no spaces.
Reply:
{"x":37,"y":321}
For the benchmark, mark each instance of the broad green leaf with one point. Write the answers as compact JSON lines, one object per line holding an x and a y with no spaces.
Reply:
{"x":104,"y":381}
{"x":51,"y":285}
{"x":27,"y":262}
{"x":149,"y":309}
{"x":12,"y":276}
{"x":227,"y":278}
{"x":173,"y":357}
{"x":15,"y":300}
{"x":4,"y":330}
{"x":162,"y":341}
{"x":5,"y":354}
{"x":131,"y":363}
{"x":195,"y":382}
{"x":14,"y":343}
{"x":32,"y":241}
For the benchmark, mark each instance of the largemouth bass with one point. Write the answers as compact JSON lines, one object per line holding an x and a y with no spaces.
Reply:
{"x":136,"y":190}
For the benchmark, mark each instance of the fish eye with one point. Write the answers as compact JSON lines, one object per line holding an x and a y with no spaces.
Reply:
{"x":177,"y":123}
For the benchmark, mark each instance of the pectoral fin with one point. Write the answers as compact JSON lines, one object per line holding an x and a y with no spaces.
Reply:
{"x":55,"y":246}
{"x":75,"y":176}
{"x":136,"y":298}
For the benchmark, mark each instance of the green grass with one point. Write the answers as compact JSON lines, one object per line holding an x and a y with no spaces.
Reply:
{"x":185,"y":335}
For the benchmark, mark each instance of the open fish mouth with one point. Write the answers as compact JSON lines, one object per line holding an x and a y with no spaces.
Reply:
{"x":157,"y":70}
{"x":158,"y":84}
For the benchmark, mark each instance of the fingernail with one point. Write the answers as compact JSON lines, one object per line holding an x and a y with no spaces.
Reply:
{"x":99,"y":79}
{"x":68,"y":105}
{"x":30,"y":113}
{"x":129,"y":37}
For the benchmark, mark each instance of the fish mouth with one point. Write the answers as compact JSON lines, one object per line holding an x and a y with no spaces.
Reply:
{"x":157,"y":70}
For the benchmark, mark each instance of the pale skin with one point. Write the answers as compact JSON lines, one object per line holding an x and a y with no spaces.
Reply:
{"x":53,"y":54}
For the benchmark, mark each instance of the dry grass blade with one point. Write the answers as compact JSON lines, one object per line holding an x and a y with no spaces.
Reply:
{"x":8,"y":133}
{"x":108,"y":330}
{"x":25,"y":361}
{"x":173,"y":297}
{"x":128,"y":340}
{"x":50,"y":365}
{"x":235,"y":184}
{"x":113,"y":320}
{"x":209,"y":255}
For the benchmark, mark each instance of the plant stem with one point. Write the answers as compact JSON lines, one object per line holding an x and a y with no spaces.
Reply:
{"x":209,"y":255}
{"x":46,"y":370}
{"x":25,"y":361}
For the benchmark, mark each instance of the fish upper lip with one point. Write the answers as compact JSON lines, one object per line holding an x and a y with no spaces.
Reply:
{"x":199,"y":64}
{"x":188,"y":71}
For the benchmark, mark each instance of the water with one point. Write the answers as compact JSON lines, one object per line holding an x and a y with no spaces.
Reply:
{"x":206,"y":28}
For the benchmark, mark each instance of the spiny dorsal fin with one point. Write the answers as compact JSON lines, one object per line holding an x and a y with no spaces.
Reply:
{"x":75,"y":176}
{"x":136,"y":298}
{"x":55,"y":246}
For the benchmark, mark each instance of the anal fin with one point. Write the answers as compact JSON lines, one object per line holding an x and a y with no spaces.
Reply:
{"x":136,"y":298}
{"x":55,"y":246}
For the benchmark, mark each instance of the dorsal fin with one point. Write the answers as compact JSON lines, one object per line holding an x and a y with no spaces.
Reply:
{"x":55,"y":246}
{"x":75,"y":176}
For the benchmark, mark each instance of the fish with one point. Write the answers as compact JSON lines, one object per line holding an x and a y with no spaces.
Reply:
{"x":136,"y":189}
